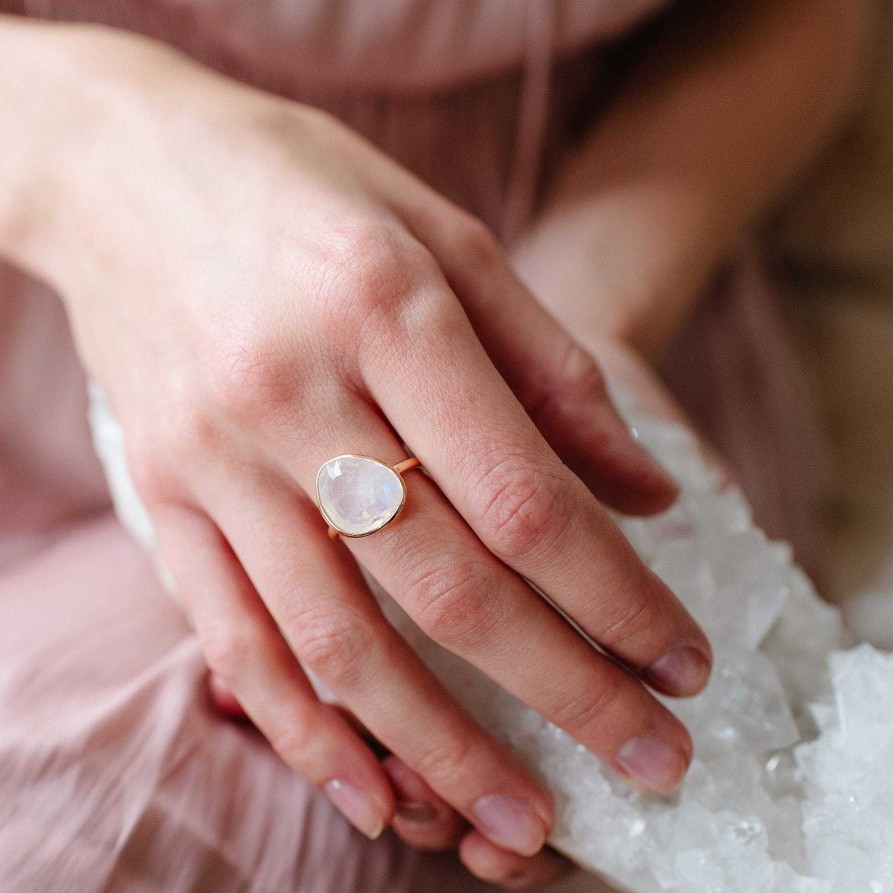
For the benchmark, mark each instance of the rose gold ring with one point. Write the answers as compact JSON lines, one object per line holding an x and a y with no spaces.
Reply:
{"x":358,"y":495}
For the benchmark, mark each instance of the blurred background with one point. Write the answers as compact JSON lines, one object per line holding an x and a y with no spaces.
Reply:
{"x":834,"y":241}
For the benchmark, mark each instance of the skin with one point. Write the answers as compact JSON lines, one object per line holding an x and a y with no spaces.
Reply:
{"x":710,"y":170}
{"x":244,"y":344}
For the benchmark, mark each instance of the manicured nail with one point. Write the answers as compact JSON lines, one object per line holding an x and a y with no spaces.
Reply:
{"x":355,"y":807}
{"x":683,"y":671}
{"x":653,"y":764}
{"x":417,"y":812}
{"x":510,"y":823}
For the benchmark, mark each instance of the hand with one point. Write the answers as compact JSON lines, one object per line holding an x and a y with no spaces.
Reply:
{"x":423,"y":819}
{"x":257,"y":290}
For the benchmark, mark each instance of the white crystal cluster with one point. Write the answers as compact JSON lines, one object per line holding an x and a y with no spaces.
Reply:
{"x":791,"y":788}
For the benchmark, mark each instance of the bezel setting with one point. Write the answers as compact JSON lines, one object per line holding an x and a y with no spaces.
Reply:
{"x":377,"y":525}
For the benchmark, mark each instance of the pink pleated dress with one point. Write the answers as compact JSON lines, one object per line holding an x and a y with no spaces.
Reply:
{"x":115,"y":774}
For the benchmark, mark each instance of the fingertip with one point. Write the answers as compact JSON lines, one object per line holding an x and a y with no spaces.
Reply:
{"x":511,"y":822}
{"x":652,"y":764}
{"x":421,"y":818}
{"x":638,"y":484}
{"x":359,"y":806}
{"x":618,"y":470}
{"x":681,"y":673}
{"x":224,"y":700}
{"x":495,"y":865}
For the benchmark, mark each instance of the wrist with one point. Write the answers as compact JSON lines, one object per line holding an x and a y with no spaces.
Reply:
{"x":71,"y":97}
{"x":47,"y":115}
{"x":51,"y":113}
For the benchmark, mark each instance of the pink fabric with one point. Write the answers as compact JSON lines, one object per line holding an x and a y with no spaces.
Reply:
{"x":739,"y":373}
{"x":114,"y":775}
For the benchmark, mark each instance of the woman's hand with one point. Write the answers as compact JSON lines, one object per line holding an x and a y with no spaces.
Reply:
{"x":257,"y":290}
{"x":424,"y":820}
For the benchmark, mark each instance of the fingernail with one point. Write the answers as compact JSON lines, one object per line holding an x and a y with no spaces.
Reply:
{"x":646,"y":460}
{"x":652,"y":763}
{"x":683,"y":671}
{"x":511,"y":823}
{"x":355,"y":807}
{"x":414,"y":797}
{"x":417,"y":812}
{"x":656,"y":468}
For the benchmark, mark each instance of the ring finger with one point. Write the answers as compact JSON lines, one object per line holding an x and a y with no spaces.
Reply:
{"x":319,"y":601}
{"x":243,"y":646}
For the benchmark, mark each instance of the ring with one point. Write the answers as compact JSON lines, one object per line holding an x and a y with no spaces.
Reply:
{"x":358,"y":495}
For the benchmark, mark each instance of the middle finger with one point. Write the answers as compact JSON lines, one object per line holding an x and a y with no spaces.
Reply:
{"x":522,"y":502}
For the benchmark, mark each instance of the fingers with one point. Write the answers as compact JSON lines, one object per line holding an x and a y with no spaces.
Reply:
{"x":454,"y":589}
{"x":490,"y":863}
{"x":243,"y":647}
{"x":319,"y":602}
{"x":524,"y":504}
{"x":445,"y":579}
{"x":422,"y":819}
{"x":632,"y":372}
{"x":558,"y":384}
{"x":223,"y":698}
{"x":425,"y":821}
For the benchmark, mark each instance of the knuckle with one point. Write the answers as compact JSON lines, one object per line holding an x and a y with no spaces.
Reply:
{"x":456,"y":606}
{"x":335,"y":648}
{"x":575,"y":384}
{"x":578,"y":373}
{"x":444,"y":756}
{"x":376,"y":291}
{"x":639,"y":616}
{"x":522,"y":510}
{"x":249,"y":380}
{"x":190,"y":430}
{"x":367,"y":272}
{"x":590,"y":709}
{"x":293,"y":740}
{"x":363,"y":248}
{"x":147,"y":473}
{"x":477,"y":242}
{"x":229,"y":648}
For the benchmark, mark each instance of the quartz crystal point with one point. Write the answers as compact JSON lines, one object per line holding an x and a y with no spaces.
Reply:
{"x":790,"y":790}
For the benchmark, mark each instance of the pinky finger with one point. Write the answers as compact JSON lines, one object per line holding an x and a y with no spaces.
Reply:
{"x":243,"y":646}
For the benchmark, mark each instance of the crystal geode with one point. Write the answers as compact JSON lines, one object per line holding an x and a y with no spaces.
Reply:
{"x":790,"y":790}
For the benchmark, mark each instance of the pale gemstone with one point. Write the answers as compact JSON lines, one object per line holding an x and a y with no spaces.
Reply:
{"x":358,"y":495}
